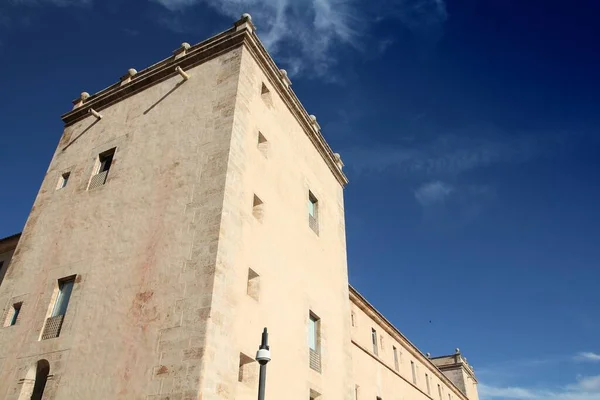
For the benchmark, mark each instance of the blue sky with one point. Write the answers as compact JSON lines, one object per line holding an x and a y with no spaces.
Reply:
{"x":469,"y":129}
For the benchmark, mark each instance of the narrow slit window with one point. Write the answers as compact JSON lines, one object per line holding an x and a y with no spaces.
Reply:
{"x":257,"y":208}
{"x":440,"y":392}
{"x":414,"y":372}
{"x":428,"y":384}
{"x":374,"y":341}
{"x":396,"y":365}
{"x":265,"y":94}
{"x":253,"y":288}
{"x":63,"y":180}
{"x":313,"y":212}
{"x":263,"y":144}
{"x":353,"y":318}
{"x":246,"y":372}
{"x":103,"y":165}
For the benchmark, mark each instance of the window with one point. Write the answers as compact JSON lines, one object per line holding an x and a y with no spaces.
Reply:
{"x":313,"y":212}
{"x":440,"y":392}
{"x":353,"y":318}
{"x":13,"y":314}
{"x":396,"y":366}
{"x":449,"y":396}
{"x":428,"y":384}
{"x":103,"y":165}
{"x":265,"y":94}
{"x":246,"y":372}
{"x":62,"y":181}
{"x":257,"y":208}
{"x":414,"y":372}
{"x":53,"y":324}
{"x":253,"y":284}
{"x":314,"y":341}
{"x":65,"y":288}
{"x":35,"y":381}
{"x":374,"y":340}
{"x":263,"y":145}
{"x":355,"y":392}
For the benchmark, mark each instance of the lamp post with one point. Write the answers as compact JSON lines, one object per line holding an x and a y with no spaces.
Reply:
{"x":263,"y":356}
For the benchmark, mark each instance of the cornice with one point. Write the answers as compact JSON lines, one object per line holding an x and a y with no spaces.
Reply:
{"x":241,"y":34}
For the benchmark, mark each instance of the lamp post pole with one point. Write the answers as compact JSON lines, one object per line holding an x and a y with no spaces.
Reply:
{"x":263,"y":356}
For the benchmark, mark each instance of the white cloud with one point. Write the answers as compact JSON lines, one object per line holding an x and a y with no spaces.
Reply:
{"x":433,"y":193}
{"x":305,"y":33}
{"x":586,"y":388}
{"x":587,"y":356}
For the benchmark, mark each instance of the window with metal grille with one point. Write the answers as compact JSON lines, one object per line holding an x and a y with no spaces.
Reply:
{"x":103,"y":165}
{"x":54,"y":323}
{"x":314,"y":341}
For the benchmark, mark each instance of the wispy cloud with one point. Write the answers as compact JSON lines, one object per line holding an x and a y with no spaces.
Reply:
{"x":585,"y":388}
{"x":450,"y":154}
{"x":587,"y":357}
{"x":433,"y":193}
{"x":305,"y":34}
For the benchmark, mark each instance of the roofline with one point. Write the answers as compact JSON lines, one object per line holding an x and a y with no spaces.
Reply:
{"x":11,"y":237}
{"x":368,"y":308}
{"x":241,"y":34}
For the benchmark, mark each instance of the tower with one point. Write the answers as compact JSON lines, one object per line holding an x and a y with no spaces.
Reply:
{"x":186,"y":207}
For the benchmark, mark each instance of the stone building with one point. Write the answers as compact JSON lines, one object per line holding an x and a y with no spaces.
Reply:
{"x":186,"y":207}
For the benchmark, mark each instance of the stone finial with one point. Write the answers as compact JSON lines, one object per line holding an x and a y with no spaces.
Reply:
{"x":457,"y":350}
{"x":181,"y":50}
{"x":314,"y":123}
{"x":284,"y":77}
{"x":131,"y":72}
{"x":340,"y":164}
{"x":245,"y":23}
{"x":78,"y":102}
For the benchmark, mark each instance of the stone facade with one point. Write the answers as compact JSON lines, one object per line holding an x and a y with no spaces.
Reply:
{"x":183,"y":229}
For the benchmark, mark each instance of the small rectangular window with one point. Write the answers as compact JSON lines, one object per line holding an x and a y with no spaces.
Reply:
{"x":449,"y":396}
{"x":374,"y":340}
{"x":62,"y":181}
{"x":440,"y":392}
{"x":414,"y":372}
{"x":314,"y":341}
{"x":355,"y":392}
{"x":353,"y":318}
{"x":13,"y":315}
{"x":396,"y":366}
{"x":313,"y":212}
{"x":102,"y":168}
